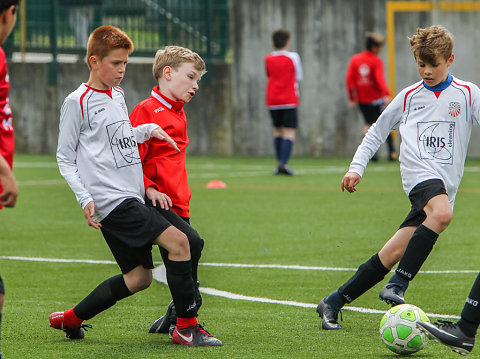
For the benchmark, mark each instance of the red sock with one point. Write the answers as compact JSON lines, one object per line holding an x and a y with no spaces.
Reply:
{"x":183,"y":323}
{"x":71,"y":320}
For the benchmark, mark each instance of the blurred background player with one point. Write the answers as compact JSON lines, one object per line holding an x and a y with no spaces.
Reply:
{"x":178,"y":71}
{"x":366,"y":86}
{"x":8,"y":186}
{"x":284,"y":72}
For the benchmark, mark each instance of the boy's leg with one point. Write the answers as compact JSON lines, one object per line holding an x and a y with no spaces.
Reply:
{"x":167,"y":322}
{"x":459,"y":336}
{"x":368,"y":274}
{"x":2,"y":297}
{"x":439,"y":214}
{"x":104,"y":296}
{"x":180,"y":283}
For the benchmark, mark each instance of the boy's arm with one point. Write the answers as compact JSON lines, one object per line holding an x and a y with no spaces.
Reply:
{"x":68,"y":138}
{"x":380,"y":80}
{"x":148,"y":130}
{"x":298,"y":67}
{"x":9,"y":195}
{"x":377,"y":134}
{"x":350,"y":82}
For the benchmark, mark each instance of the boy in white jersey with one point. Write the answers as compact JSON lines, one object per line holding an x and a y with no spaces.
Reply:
{"x":98,"y":156}
{"x":434,"y":118}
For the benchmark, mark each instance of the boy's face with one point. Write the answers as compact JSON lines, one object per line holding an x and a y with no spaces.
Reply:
{"x":433,"y":74}
{"x":181,"y":83}
{"x":110,"y":70}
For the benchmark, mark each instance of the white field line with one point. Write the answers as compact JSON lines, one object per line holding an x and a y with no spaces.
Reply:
{"x":232,"y":265}
{"x":159,"y":275}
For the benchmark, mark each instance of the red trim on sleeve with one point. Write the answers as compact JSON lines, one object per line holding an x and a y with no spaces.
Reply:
{"x":406,"y":95}
{"x":468,"y":88}
{"x":81,"y":99}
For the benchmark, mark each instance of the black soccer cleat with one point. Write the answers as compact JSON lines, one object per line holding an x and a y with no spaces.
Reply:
{"x":448,"y":333}
{"x":165,"y":322}
{"x":392,"y":294}
{"x":195,"y":336}
{"x":329,"y":315}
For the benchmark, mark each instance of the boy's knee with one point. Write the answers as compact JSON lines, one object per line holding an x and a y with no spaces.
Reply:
{"x":137,"y":282}
{"x":179,"y":244}
{"x":443,"y":217}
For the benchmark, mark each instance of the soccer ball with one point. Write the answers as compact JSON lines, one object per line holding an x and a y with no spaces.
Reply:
{"x":399,"y":332}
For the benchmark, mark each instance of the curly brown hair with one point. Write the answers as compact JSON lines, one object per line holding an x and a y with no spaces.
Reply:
{"x":429,"y":43}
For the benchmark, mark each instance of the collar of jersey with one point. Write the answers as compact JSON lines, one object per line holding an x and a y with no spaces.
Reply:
{"x":441,"y":86}
{"x":108,"y":92}
{"x":169,"y":103}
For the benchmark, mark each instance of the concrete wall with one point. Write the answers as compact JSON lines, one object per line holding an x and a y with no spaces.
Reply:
{"x":36,"y":105}
{"x":325,"y":34}
{"x":228,"y":115}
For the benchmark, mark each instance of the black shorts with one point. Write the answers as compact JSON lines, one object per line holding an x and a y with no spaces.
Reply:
{"x":2,"y":287}
{"x":130,"y":230}
{"x":419,"y":197}
{"x":284,"y":117}
{"x":370,"y":112}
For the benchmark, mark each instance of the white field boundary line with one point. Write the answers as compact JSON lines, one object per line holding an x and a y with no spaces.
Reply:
{"x":159,"y":274}
{"x":231,"y":265}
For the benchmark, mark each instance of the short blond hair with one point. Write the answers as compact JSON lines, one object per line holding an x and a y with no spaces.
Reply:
{"x":105,"y":39}
{"x":174,"y":56}
{"x":429,"y":43}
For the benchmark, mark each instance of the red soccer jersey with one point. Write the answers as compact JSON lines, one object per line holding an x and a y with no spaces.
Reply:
{"x":365,"y":79}
{"x":284,"y":70}
{"x":7,"y":141}
{"x":163,"y":166}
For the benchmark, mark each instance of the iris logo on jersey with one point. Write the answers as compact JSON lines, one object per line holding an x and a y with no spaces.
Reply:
{"x":436,"y":141}
{"x":123,"y":144}
{"x":454,"y":109}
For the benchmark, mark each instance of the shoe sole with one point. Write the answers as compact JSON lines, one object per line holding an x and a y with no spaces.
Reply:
{"x":390,"y":302}
{"x":430,"y":336}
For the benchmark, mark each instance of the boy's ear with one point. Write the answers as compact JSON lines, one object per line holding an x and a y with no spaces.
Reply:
{"x":167,"y":73}
{"x":93,"y":61}
{"x":450,"y":60}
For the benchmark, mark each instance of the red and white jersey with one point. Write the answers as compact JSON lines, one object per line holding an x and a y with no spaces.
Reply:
{"x":163,"y":166}
{"x":97,"y":151}
{"x":7,"y":140}
{"x":365,"y":78}
{"x":435,"y":125}
{"x":284,"y":72}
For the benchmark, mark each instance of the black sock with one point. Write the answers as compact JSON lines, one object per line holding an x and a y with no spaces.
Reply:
{"x":470,"y":319}
{"x":368,"y":274}
{"x":418,"y":249}
{"x":103,"y":297}
{"x":180,"y":282}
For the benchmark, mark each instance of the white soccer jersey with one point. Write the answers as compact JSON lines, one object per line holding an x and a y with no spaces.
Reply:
{"x":435,"y":125}
{"x":97,"y":150}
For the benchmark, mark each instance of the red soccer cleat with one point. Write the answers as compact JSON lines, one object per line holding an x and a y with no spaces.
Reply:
{"x":57,"y":321}
{"x":195,"y":336}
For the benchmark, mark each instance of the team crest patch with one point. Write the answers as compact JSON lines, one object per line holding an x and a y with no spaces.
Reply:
{"x":454,"y":109}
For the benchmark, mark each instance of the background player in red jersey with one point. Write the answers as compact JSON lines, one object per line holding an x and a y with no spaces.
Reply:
{"x":366,"y":85}
{"x":8,"y":186}
{"x":284,"y":72}
{"x":178,"y":71}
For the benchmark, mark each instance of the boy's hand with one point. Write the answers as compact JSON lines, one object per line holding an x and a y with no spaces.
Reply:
{"x":163,"y":200}
{"x":8,"y":197}
{"x":349,"y":181}
{"x":88,"y":212}
{"x":162,"y":135}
